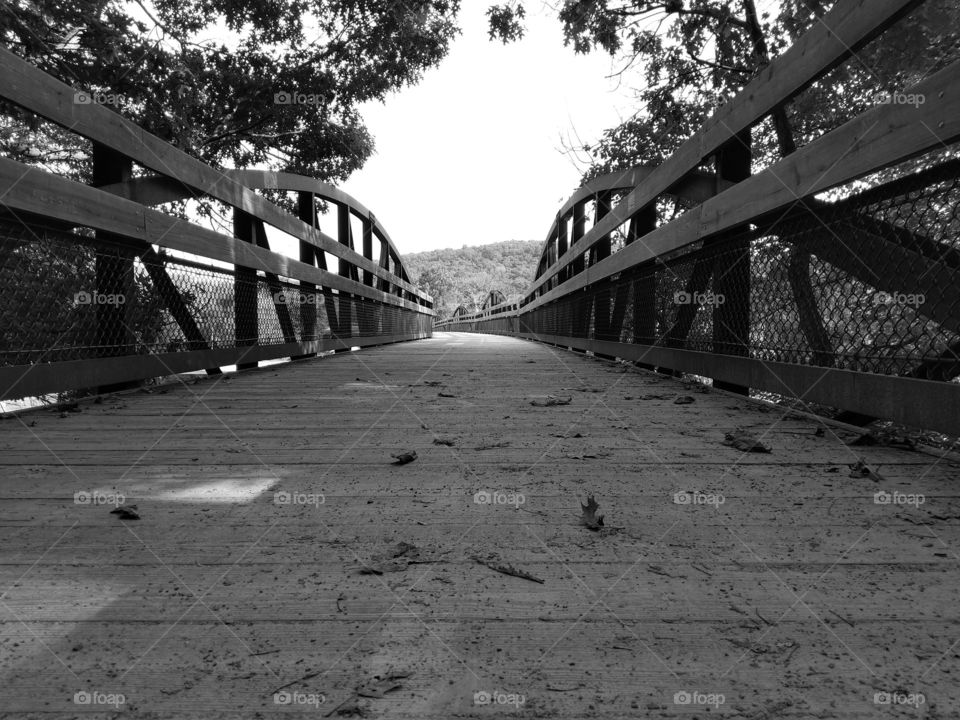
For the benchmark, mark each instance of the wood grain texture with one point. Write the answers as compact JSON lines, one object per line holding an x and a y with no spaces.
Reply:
{"x":797,"y":597}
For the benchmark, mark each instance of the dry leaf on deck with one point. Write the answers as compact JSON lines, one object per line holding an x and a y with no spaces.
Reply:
{"x":126,"y":512}
{"x":551,"y":401}
{"x":745,"y":441}
{"x":402,"y":458}
{"x":589,"y":516}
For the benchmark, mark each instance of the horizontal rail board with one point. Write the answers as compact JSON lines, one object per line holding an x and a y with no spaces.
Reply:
{"x":32,"y":190}
{"x":50,"y":98}
{"x":919,"y":403}
{"x":695,"y":187}
{"x":17,"y":381}
{"x":880,"y":137}
{"x":848,"y":26}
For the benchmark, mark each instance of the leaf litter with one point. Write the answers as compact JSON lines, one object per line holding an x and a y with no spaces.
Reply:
{"x":745,"y":441}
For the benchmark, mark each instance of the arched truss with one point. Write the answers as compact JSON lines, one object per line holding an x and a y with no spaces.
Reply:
{"x":694,"y":188}
{"x":155,"y":190}
{"x":494,"y":297}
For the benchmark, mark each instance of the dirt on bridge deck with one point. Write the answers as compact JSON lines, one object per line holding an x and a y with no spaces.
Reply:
{"x":282,"y":564}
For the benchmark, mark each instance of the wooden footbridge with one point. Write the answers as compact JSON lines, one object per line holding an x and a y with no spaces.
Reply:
{"x":203,"y":530}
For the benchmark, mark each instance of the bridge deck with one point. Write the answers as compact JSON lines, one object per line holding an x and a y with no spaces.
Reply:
{"x":797,"y":597}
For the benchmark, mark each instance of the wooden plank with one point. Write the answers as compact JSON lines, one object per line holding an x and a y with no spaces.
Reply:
{"x":917,"y":403}
{"x":218,"y":595}
{"x":30,"y":87}
{"x":41,"y":379}
{"x":849,"y":25}
{"x":880,"y":137}
{"x":31,"y":190}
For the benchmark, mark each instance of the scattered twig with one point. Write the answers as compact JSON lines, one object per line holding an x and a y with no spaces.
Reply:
{"x":841,"y":617}
{"x":294,"y":682}
{"x":507,"y":569}
{"x":657,"y":570}
{"x":790,"y":654}
{"x":763,"y":618}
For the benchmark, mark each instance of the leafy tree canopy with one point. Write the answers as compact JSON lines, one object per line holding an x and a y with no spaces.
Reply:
{"x":688,"y":56}
{"x":241,"y":82}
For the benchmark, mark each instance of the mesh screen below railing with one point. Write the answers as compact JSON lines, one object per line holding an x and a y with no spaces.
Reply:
{"x":69,"y":296}
{"x":870,"y":282}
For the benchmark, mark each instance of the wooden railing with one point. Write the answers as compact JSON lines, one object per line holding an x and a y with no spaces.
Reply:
{"x":768,"y":281}
{"x":99,"y":288}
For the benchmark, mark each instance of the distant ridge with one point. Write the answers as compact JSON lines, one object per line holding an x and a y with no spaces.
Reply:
{"x":466,"y":275}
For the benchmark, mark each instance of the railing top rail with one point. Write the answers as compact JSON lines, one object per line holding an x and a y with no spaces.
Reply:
{"x":31,"y":88}
{"x":849,"y":25}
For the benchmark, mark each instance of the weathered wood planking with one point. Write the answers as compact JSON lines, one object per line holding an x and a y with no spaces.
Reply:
{"x":799,"y":596}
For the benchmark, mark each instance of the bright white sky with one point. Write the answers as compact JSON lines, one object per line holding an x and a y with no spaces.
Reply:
{"x":472,"y":155}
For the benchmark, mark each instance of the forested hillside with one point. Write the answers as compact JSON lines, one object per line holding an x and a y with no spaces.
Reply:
{"x":466,"y":275}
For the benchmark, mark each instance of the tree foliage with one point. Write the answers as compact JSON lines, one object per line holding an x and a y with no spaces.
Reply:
{"x":465,"y":276}
{"x":273,"y":83}
{"x":689,"y":56}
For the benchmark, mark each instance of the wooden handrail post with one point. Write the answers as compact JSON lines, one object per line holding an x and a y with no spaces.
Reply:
{"x":246,"y":328}
{"x":602,"y":329}
{"x":731,"y":275}
{"x":114,"y":272}
{"x":306,"y":211}
{"x":644,"y":285}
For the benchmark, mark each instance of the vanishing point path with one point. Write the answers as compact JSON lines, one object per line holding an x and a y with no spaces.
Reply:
{"x":280,"y":550}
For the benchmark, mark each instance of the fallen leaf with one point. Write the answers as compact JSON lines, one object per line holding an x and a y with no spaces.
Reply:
{"x":589,"y":515}
{"x":402,"y":458}
{"x":126,"y":512}
{"x":860,"y":469}
{"x":745,"y":441}
{"x":551,"y":401}
{"x":378,"y":687}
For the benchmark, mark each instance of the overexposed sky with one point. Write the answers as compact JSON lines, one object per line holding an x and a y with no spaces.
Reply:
{"x":472,"y":155}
